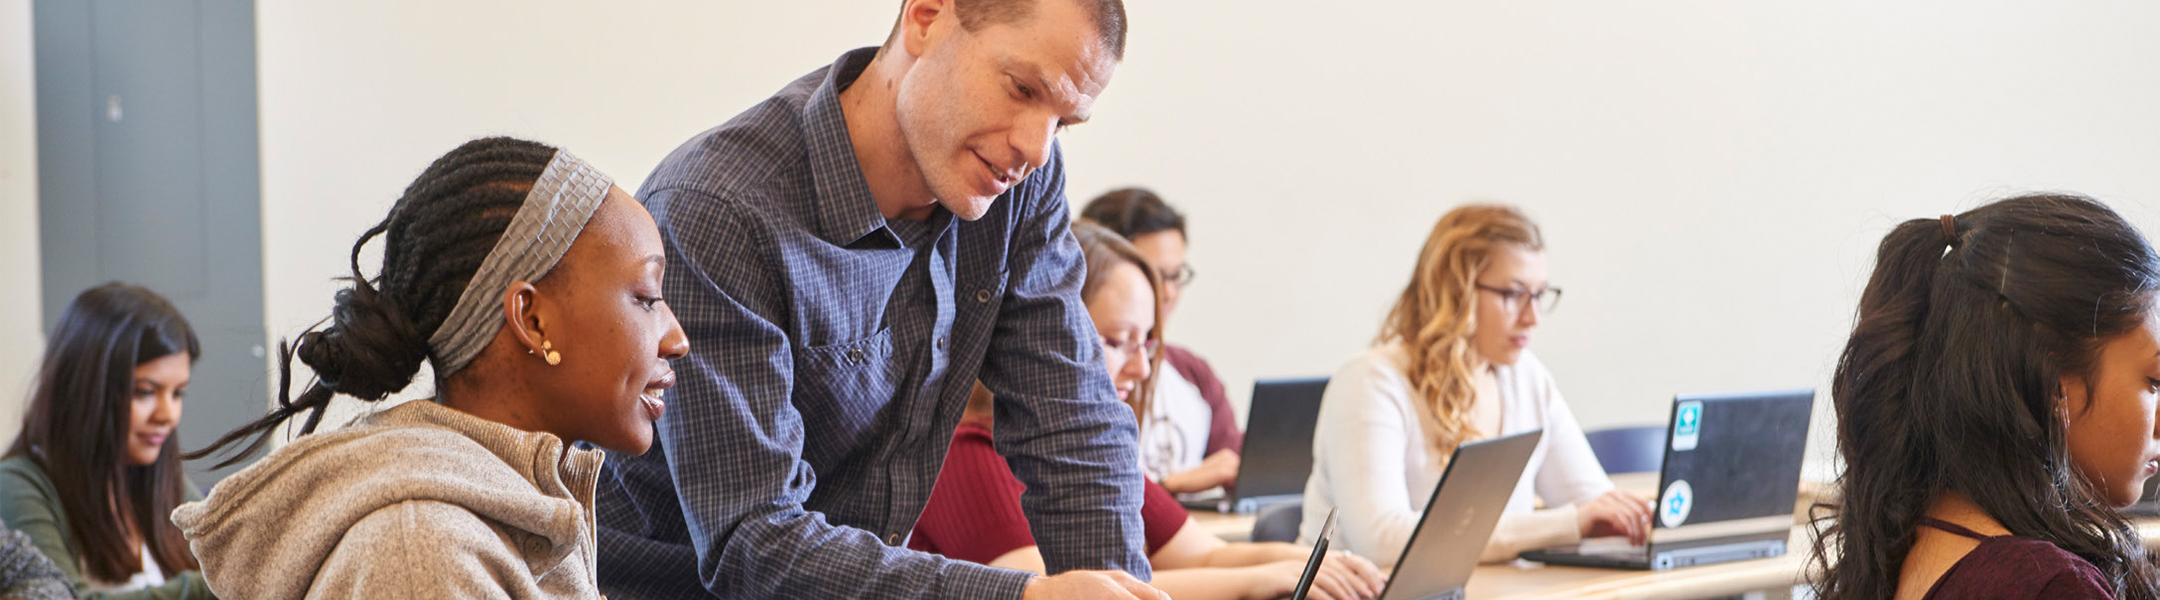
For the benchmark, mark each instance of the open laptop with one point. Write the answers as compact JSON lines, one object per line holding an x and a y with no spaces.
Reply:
{"x":1442,"y":552}
{"x":1277,"y":457}
{"x":1731,"y":476}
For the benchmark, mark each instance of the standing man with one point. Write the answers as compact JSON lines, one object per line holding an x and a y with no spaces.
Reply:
{"x":847,"y":257}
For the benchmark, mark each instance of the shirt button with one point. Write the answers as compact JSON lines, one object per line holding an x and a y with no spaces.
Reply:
{"x":892,"y":540}
{"x":941,"y":343}
{"x":982,"y":295}
{"x":854,"y":357}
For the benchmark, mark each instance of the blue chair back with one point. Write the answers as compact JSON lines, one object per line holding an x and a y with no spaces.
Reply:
{"x":1629,"y":449}
{"x":1279,"y":522}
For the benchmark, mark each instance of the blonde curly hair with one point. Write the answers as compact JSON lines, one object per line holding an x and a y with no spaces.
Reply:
{"x":1434,"y":318}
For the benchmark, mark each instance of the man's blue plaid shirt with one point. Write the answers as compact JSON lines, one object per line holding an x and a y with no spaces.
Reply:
{"x":832,"y":352}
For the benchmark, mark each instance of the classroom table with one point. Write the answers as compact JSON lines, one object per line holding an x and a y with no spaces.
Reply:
{"x":1228,"y":526}
{"x":1525,"y":580}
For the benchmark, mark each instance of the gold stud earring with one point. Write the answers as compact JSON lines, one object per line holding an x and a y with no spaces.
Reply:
{"x":553,"y":357}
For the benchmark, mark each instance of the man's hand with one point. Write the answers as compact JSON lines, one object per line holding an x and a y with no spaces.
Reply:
{"x":1615,"y":513}
{"x":1091,"y":585}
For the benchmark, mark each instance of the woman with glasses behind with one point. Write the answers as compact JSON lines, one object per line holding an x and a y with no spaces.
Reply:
{"x":1452,"y":365}
{"x":974,"y":511}
{"x":1190,"y":440}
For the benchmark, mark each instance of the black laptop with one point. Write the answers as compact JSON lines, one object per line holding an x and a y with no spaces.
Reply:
{"x":1731,"y":476}
{"x":1277,"y":457}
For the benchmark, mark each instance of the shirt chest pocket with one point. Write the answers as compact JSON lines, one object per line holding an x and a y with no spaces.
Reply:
{"x":839,"y":389}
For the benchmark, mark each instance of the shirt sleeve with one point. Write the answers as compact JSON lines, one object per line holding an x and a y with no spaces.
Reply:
{"x":1059,"y":423}
{"x":1162,"y":515}
{"x":733,"y":440}
{"x":974,"y":511}
{"x":30,"y":505}
{"x":1362,"y":417}
{"x":26,"y":573}
{"x":1571,"y":474}
{"x":1518,"y":532}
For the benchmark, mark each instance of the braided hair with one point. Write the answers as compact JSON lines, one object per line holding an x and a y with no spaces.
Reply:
{"x":436,"y":237}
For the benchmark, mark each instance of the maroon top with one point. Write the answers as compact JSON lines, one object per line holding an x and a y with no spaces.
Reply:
{"x":2008,"y":567}
{"x":1223,"y":433}
{"x":974,"y":511}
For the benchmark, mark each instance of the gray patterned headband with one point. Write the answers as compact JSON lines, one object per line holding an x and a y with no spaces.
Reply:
{"x":560,"y":203}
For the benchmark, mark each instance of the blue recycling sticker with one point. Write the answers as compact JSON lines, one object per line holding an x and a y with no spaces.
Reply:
{"x":1687,"y":425}
{"x":1678,"y":501}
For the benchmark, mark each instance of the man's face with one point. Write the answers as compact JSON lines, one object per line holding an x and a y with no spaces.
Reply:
{"x":978,"y":109}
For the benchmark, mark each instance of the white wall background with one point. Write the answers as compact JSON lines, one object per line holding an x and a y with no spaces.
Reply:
{"x":22,"y":337}
{"x":1712,"y":176}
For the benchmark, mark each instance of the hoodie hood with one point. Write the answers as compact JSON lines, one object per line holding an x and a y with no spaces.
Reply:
{"x":267,"y":530}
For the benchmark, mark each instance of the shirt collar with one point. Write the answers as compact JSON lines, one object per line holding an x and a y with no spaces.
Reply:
{"x":846,"y":211}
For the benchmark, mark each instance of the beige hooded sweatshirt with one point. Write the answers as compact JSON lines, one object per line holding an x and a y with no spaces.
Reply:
{"x":418,"y":501}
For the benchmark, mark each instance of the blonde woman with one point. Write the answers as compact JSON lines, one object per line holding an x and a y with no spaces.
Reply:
{"x":1452,"y":365}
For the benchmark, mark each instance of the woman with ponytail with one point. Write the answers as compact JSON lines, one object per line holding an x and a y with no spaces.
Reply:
{"x":96,"y":469}
{"x":1996,"y":406}
{"x":531,"y":285}
{"x":1452,"y":365}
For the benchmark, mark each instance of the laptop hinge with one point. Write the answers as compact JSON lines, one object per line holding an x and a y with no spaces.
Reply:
{"x":1670,"y":559}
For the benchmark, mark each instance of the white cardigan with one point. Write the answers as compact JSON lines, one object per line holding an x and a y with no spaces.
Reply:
{"x":1372,"y":459}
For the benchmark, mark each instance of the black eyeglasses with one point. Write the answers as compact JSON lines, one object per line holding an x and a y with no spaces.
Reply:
{"x":1518,"y":299}
{"x":1182,"y":277}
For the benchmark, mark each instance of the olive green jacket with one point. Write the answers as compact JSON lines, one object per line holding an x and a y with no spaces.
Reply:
{"x":30,"y":504}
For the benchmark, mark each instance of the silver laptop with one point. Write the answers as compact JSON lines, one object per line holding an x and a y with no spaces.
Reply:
{"x":1442,"y":552}
{"x":1731,"y":476}
{"x":1278,"y":447}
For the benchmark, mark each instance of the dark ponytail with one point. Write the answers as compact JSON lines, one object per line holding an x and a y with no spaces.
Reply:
{"x":1949,"y":382}
{"x":377,"y":333}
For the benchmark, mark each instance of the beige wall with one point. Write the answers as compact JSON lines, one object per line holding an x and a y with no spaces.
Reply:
{"x":22,"y":338}
{"x":1712,"y":176}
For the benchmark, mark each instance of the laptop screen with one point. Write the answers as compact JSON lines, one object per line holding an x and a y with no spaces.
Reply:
{"x":1279,"y":437}
{"x":1733,"y":456}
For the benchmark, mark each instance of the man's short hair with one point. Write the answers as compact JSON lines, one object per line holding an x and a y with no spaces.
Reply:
{"x":1108,"y":17}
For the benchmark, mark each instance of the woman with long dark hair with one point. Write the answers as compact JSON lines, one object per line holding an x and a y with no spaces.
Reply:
{"x":96,"y":469}
{"x":532,"y":285}
{"x":1996,"y":405}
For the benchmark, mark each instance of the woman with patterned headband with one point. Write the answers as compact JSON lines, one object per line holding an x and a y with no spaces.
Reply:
{"x":531,"y":284}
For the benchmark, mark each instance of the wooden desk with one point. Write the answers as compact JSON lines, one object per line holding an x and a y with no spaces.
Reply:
{"x":1229,"y":527}
{"x":1525,"y":580}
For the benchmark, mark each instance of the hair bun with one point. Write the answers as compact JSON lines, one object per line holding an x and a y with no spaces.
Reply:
{"x":370,"y":350}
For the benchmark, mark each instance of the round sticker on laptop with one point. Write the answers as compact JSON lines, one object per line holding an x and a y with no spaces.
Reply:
{"x":1673,"y":508}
